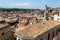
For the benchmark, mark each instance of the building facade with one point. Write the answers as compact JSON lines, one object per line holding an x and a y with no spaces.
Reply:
{"x":5,"y":32}
{"x":36,"y":33}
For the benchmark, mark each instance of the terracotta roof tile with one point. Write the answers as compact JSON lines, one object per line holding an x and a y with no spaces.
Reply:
{"x":38,"y":28}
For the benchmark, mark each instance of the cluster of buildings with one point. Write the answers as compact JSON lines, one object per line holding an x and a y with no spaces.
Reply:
{"x":53,"y":13}
{"x":33,"y":25}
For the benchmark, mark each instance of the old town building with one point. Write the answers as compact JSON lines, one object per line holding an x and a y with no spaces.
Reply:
{"x":47,"y":30}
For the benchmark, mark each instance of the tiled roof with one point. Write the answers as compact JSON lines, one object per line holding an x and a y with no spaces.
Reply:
{"x":37,"y":29}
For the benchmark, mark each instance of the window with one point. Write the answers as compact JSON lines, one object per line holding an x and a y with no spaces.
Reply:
{"x":48,"y":36}
{"x":57,"y":32}
{"x":18,"y":39}
{"x":2,"y":33}
{"x":59,"y":29}
{"x":53,"y":33}
{"x":58,"y":19}
{"x":7,"y":39}
{"x":14,"y":38}
{"x":41,"y":39}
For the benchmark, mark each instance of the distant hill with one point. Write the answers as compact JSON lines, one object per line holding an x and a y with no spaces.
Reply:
{"x":17,"y":9}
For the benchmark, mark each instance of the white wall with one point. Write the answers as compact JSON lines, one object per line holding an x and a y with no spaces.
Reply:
{"x":56,"y":17}
{"x":18,"y":38}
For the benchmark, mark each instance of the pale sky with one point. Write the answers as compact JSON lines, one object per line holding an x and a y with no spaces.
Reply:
{"x":29,"y":3}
